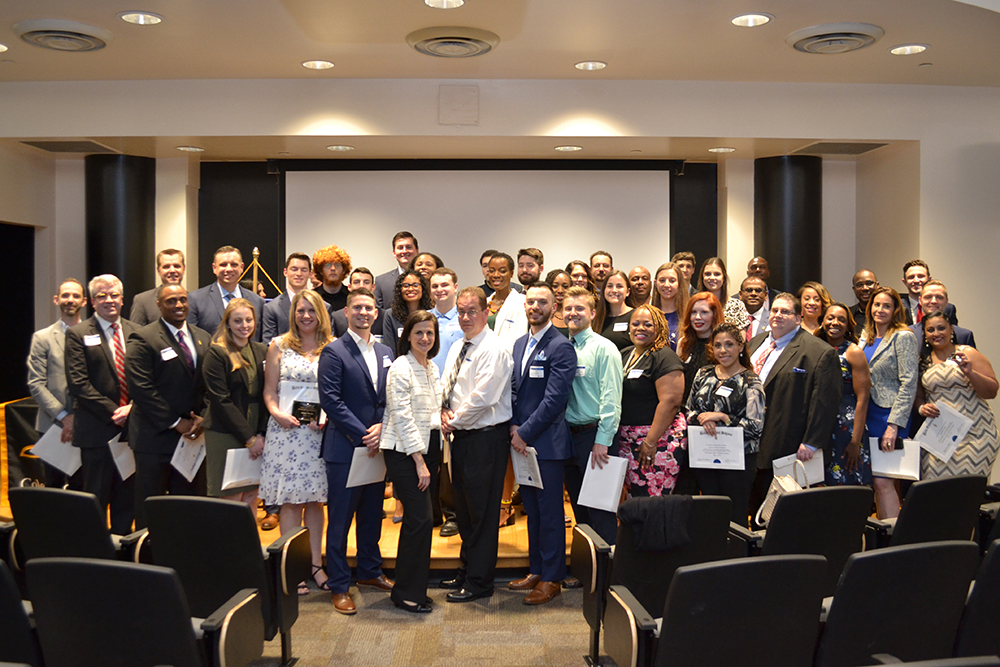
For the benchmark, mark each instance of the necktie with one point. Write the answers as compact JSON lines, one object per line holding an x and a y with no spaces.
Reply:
{"x":532,"y":342}
{"x":759,"y":366}
{"x":453,"y":375}
{"x":920,"y":314}
{"x":188,"y":357}
{"x":119,"y":365}
{"x":227,"y":297}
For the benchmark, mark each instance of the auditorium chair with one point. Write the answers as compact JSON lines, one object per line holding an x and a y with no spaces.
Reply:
{"x":828,"y":522}
{"x":980,"y":661}
{"x":979,"y":629}
{"x":645,"y":572}
{"x":18,"y":641}
{"x":933,"y":510}
{"x":113,"y":614}
{"x":214,"y":546}
{"x":904,"y":602}
{"x":751,"y":612}
{"x":988,"y":530}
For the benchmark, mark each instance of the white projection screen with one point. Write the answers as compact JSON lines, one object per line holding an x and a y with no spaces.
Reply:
{"x":458,"y":214}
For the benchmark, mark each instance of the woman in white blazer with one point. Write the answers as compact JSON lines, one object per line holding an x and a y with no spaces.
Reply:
{"x":411,"y":443}
{"x":506,"y":317}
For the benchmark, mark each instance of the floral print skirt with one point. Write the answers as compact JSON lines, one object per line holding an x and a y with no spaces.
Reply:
{"x":661,"y":478}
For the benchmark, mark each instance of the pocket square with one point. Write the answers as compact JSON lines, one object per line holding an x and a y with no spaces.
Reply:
{"x":798,"y":370}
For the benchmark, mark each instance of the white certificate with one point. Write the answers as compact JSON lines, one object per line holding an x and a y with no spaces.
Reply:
{"x":365,"y":469}
{"x":941,"y":435}
{"x":898,"y":464}
{"x":188,"y":456}
{"x":123,"y":456}
{"x":526,"y":472}
{"x":602,"y":487}
{"x":51,"y":449}
{"x":815,"y":470}
{"x":724,"y":451}
{"x":241,"y":470}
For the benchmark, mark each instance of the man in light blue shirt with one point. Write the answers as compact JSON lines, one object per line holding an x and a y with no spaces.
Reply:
{"x":444,"y":287}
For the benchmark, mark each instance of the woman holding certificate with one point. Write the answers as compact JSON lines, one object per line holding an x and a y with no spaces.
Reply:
{"x":293,"y":474}
{"x":411,"y":443}
{"x":234,"y":378}
{"x":729,"y":394}
{"x":961,"y":377}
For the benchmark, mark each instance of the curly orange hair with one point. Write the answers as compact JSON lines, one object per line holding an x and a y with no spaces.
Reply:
{"x":331,"y":253}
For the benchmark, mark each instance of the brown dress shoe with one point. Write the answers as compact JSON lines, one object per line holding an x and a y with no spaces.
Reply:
{"x":269,"y":522}
{"x":381,"y":582}
{"x":525,"y":584}
{"x":344,"y":603}
{"x":544,"y":591}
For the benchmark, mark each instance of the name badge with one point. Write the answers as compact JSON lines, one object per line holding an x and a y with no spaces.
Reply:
{"x":620,"y":326}
{"x":399,"y":332}
{"x":723,"y":391}
{"x":168,"y":353}
{"x":635,"y":374}
{"x":536,"y":372}
{"x":92,"y":340}
{"x":581,"y":371}
{"x":386,"y":361}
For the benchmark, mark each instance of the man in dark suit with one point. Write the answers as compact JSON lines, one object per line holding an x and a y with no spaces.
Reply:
{"x":275,"y":319}
{"x":802,"y":387}
{"x":759,"y":268}
{"x":863,"y":284}
{"x":163,"y":366}
{"x":933,"y":298}
{"x":95,"y":378}
{"x":404,"y":248}
{"x":360,"y":278}
{"x":754,"y":295}
{"x":544,"y":368}
{"x":352,"y":374}
{"x":915,"y":275}
{"x":170,"y":268}
{"x":207,"y":305}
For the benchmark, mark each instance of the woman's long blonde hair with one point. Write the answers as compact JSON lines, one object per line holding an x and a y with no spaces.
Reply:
{"x":224,"y":336}
{"x":323,"y":333}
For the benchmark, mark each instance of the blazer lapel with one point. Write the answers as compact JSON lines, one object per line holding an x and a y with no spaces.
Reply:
{"x":360,"y":359}
{"x":882,"y":346}
{"x":215,"y":296}
{"x":105,"y":346}
{"x":58,"y":336}
{"x":169,"y":339}
{"x":786,"y":354}
{"x":542,"y":344}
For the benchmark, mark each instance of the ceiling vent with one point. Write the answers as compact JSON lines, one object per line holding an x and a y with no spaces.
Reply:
{"x":63,"y":35}
{"x":834,"y":38}
{"x":452,"y":42}
{"x":70,"y":146}
{"x":838,"y":148}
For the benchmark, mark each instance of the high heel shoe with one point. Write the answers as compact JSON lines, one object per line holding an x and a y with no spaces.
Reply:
{"x":506,"y":506}
{"x":412,"y":607}
{"x":325,"y":586}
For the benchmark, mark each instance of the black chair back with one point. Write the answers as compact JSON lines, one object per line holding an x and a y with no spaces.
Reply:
{"x":647,"y":574}
{"x":828,"y":522}
{"x":56,"y":522}
{"x":940,"y":509}
{"x":979,"y":631}
{"x":904,"y":601}
{"x":108,"y":613}
{"x":17,"y":640}
{"x":748,"y":612}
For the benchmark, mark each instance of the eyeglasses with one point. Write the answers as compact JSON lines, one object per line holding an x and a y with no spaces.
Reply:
{"x":469,"y":313}
{"x":866,"y":283}
{"x":105,"y":296}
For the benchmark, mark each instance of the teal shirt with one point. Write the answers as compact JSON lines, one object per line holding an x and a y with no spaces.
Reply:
{"x":597,"y":387}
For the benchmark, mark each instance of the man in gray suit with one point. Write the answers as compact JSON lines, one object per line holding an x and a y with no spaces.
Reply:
{"x":208,"y":304}
{"x":170,"y":267}
{"x":47,"y":370}
{"x":275,"y":320}
{"x":404,"y":248}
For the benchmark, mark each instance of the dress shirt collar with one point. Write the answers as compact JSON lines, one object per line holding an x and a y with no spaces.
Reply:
{"x":448,"y":316}
{"x":173,"y":330}
{"x":363,"y":345}
{"x":780,"y":343}
{"x":237,"y":294}
{"x":106,"y":326}
{"x":580,"y":339}
{"x":478,"y":338}
{"x":538,"y":336}
{"x":63,"y":325}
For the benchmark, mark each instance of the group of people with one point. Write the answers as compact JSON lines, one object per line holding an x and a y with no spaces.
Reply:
{"x":447,"y":383}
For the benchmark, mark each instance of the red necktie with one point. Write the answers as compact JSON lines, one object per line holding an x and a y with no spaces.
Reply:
{"x":120,"y":365}
{"x":920,"y":314}
{"x":759,"y":366}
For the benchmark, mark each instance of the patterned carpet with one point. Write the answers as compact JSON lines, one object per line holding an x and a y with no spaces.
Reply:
{"x":499,"y":630}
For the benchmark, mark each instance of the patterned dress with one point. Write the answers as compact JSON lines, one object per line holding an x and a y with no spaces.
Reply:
{"x":293,"y":471}
{"x":843,"y":429}
{"x":946,"y":383}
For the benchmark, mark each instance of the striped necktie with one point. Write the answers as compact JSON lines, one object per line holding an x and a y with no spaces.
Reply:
{"x":119,"y":364}
{"x":453,"y":374}
{"x":188,"y":357}
{"x":759,"y":366}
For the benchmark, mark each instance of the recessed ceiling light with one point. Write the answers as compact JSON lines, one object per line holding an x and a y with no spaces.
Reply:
{"x":141,"y":18}
{"x":591,"y":65}
{"x":3,"y":47}
{"x":908,"y":49}
{"x":751,"y":20}
{"x":721,"y":149}
{"x":340,"y":147}
{"x":191,"y":149}
{"x":569,"y":149}
{"x":317,"y":64}
{"x":444,"y":4}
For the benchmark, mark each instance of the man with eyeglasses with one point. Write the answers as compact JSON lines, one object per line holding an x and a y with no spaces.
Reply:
{"x":754,"y":295}
{"x":864,"y":284}
{"x":95,"y":378}
{"x":275,"y":319}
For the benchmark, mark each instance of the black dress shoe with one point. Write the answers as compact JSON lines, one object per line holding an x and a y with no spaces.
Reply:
{"x":448,"y":529}
{"x":412,"y":607}
{"x":453,"y":584}
{"x":465,"y":595}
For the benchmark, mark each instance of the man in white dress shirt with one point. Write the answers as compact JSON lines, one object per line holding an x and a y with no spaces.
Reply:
{"x":753,"y":294}
{"x":476,"y":413}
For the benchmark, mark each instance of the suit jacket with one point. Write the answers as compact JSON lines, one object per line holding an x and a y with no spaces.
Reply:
{"x":274,"y":322}
{"x":92,"y":381}
{"x":539,"y":395}
{"x":962,"y":336}
{"x":801,"y":397}
{"x":385,"y":284}
{"x":205,"y":308}
{"x":949,"y":311}
{"x":228,"y":393}
{"x":47,"y":375}
{"x":894,"y":375}
{"x":346,"y":393}
{"x":162,"y":390}
{"x":144,"y":308}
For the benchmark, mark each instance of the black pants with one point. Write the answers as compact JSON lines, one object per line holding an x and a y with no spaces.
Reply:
{"x":735,"y":484}
{"x":478,"y":465}
{"x":603,"y":522}
{"x":442,"y":496}
{"x":99,"y":475}
{"x":154,"y":476}
{"x":413,"y":553}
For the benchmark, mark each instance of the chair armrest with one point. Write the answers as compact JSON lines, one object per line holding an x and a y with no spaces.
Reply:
{"x":234,"y":633}
{"x":989,"y":510}
{"x":134,"y":547}
{"x":753,"y":540}
{"x":629,"y":630}
{"x":993,"y":493}
{"x":886,"y":659}
{"x":877,"y":533}
{"x":589,"y":556}
{"x":290,"y":559}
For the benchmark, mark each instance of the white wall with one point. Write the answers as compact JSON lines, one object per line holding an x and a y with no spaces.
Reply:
{"x":177,"y":182}
{"x":839,"y":213}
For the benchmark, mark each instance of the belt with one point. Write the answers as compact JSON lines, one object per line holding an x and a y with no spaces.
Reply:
{"x":583,"y":428}
{"x":485,"y":429}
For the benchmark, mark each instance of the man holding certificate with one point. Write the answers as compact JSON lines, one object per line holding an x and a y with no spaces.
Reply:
{"x":352,"y":376}
{"x":544,"y":368}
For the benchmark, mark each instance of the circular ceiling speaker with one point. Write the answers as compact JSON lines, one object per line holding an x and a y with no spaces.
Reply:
{"x":452,"y":42}
{"x":63,"y":35}
{"x":834,"y":38}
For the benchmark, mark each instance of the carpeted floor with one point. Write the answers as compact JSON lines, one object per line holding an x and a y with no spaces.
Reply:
{"x":501,"y":630}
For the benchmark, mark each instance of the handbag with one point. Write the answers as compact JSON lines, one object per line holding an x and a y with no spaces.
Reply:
{"x":780,"y":485}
